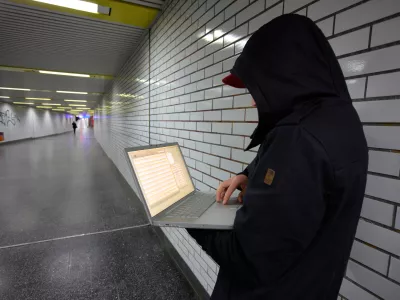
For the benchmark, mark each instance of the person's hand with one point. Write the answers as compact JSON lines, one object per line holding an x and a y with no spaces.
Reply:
{"x":226,"y":188}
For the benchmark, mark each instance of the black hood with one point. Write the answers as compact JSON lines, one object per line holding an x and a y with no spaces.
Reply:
{"x":286,"y":64}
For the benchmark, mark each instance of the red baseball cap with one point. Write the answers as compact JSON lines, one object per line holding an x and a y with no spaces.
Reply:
{"x":233,"y":81}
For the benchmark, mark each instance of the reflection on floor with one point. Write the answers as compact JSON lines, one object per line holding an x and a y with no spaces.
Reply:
{"x":65,"y":186}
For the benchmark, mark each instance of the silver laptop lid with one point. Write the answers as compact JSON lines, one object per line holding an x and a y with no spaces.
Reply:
{"x":162,"y":175}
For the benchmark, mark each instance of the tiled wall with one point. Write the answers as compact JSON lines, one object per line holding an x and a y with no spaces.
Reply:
{"x":176,"y":94}
{"x":21,"y":122}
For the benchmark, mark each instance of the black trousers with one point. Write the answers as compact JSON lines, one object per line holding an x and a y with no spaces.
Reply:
{"x":74,"y":130}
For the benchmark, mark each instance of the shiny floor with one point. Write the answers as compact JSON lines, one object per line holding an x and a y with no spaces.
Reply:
{"x":71,"y":229}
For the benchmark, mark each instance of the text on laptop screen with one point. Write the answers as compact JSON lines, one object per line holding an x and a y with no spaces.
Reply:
{"x":162,"y":175}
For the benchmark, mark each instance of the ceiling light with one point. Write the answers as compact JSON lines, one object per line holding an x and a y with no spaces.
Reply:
{"x":44,"y":107}
{"x":77,"y":105}
{"x":6,"y":97}
{"x":45,"y":99}
{"x":75,"y":100}
{"x":50,"y":104}
{"x":63,"y":73}
{"x":15,"y":89}
{"x":22,"y":103}
{"x":74,"y":4}
{"x":69,"y":92}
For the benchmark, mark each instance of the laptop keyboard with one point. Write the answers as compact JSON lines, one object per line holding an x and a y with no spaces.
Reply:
{"x":193,"y":207}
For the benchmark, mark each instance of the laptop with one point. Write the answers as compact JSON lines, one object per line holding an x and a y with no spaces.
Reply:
{"x":167,"y":191}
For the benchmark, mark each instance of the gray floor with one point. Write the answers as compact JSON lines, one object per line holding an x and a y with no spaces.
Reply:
{"x":56,"y":188}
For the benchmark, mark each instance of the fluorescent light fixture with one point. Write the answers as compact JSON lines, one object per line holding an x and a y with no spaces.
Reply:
{"x":69,"y":92}
{"x":23,"y":103}
{"x":51,"y":104}
{"x":45,"y":99}
{"x":77,"y":105}
{"x":74,"y":4}
{"x":63,"y":73}
{"x":5,"y":97}
{"x":75,"y":100}
{"x":44,"y":107}
{"x":14,"y":89}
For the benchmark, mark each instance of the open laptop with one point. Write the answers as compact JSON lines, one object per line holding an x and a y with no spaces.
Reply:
{"x":168,"y":193}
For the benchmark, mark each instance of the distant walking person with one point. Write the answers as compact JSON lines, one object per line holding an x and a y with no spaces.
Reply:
{"x":74,"y":126}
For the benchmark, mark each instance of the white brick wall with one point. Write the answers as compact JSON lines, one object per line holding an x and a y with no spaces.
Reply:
{"x":173,"y":83}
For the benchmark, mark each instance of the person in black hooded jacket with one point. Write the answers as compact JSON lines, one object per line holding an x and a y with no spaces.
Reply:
{"x":292,"y":237}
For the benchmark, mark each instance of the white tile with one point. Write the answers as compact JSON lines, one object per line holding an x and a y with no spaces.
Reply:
{"x":213,"y":93}
{"x":184,"y":134}
{"x":235,"y":7}
{"x":356,"y":87}
{"x":242,"y":100}
{"x":384,"y":85}
{"x":269,"y":3}
{"x":353,"y":292}
{"x":224,"y":28}
{"x":374,"y":282}
{"x":190,"y":106}
{"x":190,"y":125}
{"x":196,"y":174}
{"x":197,"y":76}
{"x":384,"y":162}
{"x":378,"y":236}
{"x":217,"y":20}
{"x":386,"y":32}
{"x":202,"y":167}
{"x":232,"y":141}
{"x":350,"y":42}
{"x":397,"y":224}
{"x":206,"y":17}
{"x":370,"y":257}
{"x":394,"y":271}
{"x":231,"y":166}
{"x":233,"y":115}
{"x":197,"y":136}
{"x":196,"y":116}
{"x":291,"y":5}
{"x":370,"y":62}
{"x":251,"y":114}
{"x":214,"y":46}
{"x":239,"y":45}
{"x":326,"y":26}
{"x":204,"y":84}
{"x":324,"y":8}
{"x":191,"y":68}
{"x":203,"y":126}
{"x":269,"y":15}
{"x":221,"y":151}
{"x":377,"y":211}
{"x":248,"y":13}
{"x":212,"y":138}
{"x":224,"y":53}
{"x":230,"y":91}
{"x":244,"y":128}
{"x":380,"y":111}
{"x":204,"y":105}
{"x":197,"y":96}
{"x":205,"y":62}
{"x":383,"y":187}
{"x":211,"y":160}
{"x":365,"y":13}
{"x":189,"y":144}
{"x":212,"y":115}
{"x":229,"y":63}
{"x":221,"y":5}
{"x":212,"y":70}
{"x":220,"y":174}
{"x":214,"y":183}
{"x":236,"y":34}
{"x":384,"y":137}
{"x":222,"y":127}
{"x":225,"y":102}
{"x":243,"y":156}
{"x":217,"y":79}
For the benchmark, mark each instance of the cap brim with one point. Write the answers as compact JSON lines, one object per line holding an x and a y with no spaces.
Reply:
{"x":233,"y":81}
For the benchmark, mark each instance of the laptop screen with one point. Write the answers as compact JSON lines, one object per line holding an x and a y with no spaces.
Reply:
{"x":162,"y":175}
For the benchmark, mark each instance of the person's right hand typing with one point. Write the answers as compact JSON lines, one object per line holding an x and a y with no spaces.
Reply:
{"x":226,"y":188}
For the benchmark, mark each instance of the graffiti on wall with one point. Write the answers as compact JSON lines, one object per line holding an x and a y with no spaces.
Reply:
{"x":8,"y":118}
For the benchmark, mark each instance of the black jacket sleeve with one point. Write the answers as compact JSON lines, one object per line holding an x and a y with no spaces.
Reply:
{"x":281,"y":215}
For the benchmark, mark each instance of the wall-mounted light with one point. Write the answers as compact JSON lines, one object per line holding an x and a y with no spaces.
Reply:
{"x":70,"y":92}
{"x":27,"y":103}
{"x":63,"y":73}
{"x":77,"y":105}
{"x":75,"y":100}
{"x":79,"y":5}
{"x":44,"y":107}
{"x":45,"y":99}
{"x":14,"y":89}
{"x":56,"y":104}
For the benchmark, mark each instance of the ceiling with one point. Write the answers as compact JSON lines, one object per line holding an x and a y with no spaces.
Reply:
{"x":42,"y":38}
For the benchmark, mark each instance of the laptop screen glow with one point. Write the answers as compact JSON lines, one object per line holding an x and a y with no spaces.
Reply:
{"x":162,"y":175}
